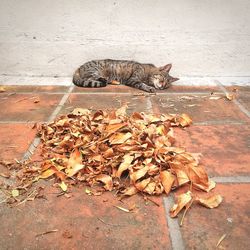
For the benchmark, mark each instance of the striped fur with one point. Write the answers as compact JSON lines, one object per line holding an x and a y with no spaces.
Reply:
{"x":99,"y":73}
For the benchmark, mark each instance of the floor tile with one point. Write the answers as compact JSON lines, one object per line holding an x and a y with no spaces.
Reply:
{"x":27,"y":107}
{"x":204,"y":227}
{"x":199,"y":107}
{"x":84,"y":222}
{"x":106,"y":102}
{"x":225,"y":148}
{"x":15,"y":140}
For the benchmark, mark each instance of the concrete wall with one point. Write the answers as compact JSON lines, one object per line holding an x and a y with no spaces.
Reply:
{"x":51,"y":38}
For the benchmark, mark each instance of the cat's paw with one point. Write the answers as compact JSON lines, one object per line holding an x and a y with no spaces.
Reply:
{"x":150,"y":89}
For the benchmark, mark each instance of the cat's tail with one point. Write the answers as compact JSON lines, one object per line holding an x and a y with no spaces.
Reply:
{"x":90,"y":82}
{"x":77,"y":79}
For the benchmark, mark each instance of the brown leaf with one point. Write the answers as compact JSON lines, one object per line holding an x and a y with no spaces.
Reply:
{"x":143,"y":184}
{"x":198,"y":175}
{"x":111,"y":128}
{"x":119,"y":138}
{"x":122,"y":111}
{"x":127,"y":159}
{"x":136,"y":175}
{"x":107,"y":180}
{"x":167,"y":180}
{"x":230,"y":97}
{"x":181,"y":201}
{"x":129,"y":191}
{"x":74,"y":163}
{"x":2,"y":89}
{"x":184,"y":120}
{"x":211,"y":202}
{"x":80,"y":111}
{"x":123,"y":209}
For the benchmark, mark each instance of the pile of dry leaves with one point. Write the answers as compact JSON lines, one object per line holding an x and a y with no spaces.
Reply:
{"x":128,"y":154}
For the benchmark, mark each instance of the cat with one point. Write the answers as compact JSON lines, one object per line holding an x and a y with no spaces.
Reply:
{"x":146,"y":77}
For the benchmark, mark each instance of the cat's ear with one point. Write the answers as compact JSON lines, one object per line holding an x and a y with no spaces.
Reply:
{"x":174,"y":79}
{"x":166,"y":67}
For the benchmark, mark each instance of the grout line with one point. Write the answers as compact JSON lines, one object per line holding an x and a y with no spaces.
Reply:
{"x":240,"y":106}
{"x":60,"y":105}
{"x":231,"y":179}
{"x":19,"y":122}
{"x":173,"y":226}
{"x":149,"y":105}
{"x":37,"y":139}
{"x":225,"y":122}
{"x":175,"y":235}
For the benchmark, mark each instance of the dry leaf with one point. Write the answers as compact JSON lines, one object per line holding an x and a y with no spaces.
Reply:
{"x":119,"y":138}
{"x":181,"y":201}
{"x":107,"y":180}
{"x":2,"y":89}
{"x":211,"y":202}
{"x":63,"y":186}
{"x":36,"y":100}
{"x":15,"y":193}
{"x":127,"y":159}
{"x":167,"y":180}
{"x":80,"y":111}
{"x":185,"y":120}
{"x":230,"y":97}
{"x":139,"y":174}
{"x":123,"y":209}
{"x":74,"y":163}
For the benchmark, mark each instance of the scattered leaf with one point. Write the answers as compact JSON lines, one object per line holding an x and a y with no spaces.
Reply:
{"x":211,"y":202}
{"x":221,"y":239}
{"x":230,"y":97}
{"x":15,"y":193}
{"x":181,"y":201}
{"x":184,"y":120}
{"x":123,"y":209}
{"x":2,"y":89}
{"x":63,"y":186}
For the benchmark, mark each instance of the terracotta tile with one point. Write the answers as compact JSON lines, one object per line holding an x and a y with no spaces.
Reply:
{"x":21,"y":107}
{"x":199,"y":107}
{"x":34,"y":89}
{"x":204,"y":227}
{"x":192,"y":89}
{"x":126,"y":89}
{"x":15,"y":140}
{"x":225,"y":148}
{"x":106,"y":102}
{"x":109,"y":88}
{"x":93,"y":222}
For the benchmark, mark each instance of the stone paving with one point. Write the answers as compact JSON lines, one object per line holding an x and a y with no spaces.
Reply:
{"x":221,"y":132}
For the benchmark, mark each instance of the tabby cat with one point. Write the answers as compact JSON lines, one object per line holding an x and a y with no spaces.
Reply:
{"x":147,"y":77}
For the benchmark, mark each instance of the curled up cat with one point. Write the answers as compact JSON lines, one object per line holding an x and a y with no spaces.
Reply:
{"x":146,"y":77}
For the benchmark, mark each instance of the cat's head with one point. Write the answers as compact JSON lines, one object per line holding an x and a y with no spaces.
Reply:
{"x":161,"y":78}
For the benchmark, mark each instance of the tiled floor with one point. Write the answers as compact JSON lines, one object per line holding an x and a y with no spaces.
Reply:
{"x":221,"y":132}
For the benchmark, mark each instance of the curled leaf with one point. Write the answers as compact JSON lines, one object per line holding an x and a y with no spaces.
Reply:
{"x":211,"y":202}
{"x":107,"y":180}
{"x":127,"y":159}
{"x":181,"y":201}
{"x":74,"y":163}
{"x":167,"y":180}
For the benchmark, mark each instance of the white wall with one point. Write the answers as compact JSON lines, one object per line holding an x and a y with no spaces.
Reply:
{"x":52,"y":37}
